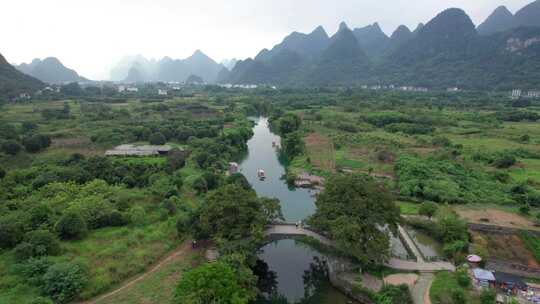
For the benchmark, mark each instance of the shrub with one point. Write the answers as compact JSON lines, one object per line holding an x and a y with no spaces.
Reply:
{"x":462,"y":277}
{"x":71,"y":226}
{"x":38,"y":243}
{"x":34,"y":269}
{"x":11,"y":230}
{"x":137,"y":216}
{"x":170,"y":206}
{"x":64,"y":281}
{"x":36,"y":143}
{"x":488,"y":296}
{"x":157,"y":139}
{"x":428,"y":209}
{"x":506,"y":161}
{"x":441,"y":141}
{"x":11,"y":147}
{"x":390,"y":294}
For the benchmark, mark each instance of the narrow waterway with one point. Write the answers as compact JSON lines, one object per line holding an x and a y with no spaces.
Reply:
{"x":293,"y":264}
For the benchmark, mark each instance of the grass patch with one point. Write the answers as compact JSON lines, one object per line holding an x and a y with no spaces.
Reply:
{"x":532,"y":243}
{"x":408,"y":208}
{"x":444,"y":288}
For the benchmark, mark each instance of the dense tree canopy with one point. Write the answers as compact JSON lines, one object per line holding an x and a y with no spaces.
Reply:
{"x":234,"y":213}
{"x":352,"y":210}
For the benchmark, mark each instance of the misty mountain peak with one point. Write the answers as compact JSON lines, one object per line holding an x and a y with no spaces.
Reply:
{"x":500,"y":20}
{"x":343,"y":26}
{"x":450,"y":24}
{"x":319,"y":32}
{"x":418,"y":28}
{"x":528,"y":15}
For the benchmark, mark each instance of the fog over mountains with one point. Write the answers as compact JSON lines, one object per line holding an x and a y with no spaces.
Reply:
{"x":449,"y":51}
{"x":140,"y":69}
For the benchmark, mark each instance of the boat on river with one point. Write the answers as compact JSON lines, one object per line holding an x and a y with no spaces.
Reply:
{"x":261,"y":174}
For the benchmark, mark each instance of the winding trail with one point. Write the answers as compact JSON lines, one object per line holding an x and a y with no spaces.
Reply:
{"x":182,"y":250}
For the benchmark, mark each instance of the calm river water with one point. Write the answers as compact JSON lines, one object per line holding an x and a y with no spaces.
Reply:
{"x":291,"y":262}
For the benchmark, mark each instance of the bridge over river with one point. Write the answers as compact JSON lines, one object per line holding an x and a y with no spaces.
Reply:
{"x":292,"y":230}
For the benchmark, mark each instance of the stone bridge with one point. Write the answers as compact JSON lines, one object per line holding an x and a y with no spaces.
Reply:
{"x":287,"y":230}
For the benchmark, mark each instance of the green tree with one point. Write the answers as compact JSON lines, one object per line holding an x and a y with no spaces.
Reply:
{"x":450,"y":227}
{"x":238,"y":179}
{"x":157,"y":139}
{"x":38,"y":243}
{"x":289,"y":123}
{"x":212,"y":283}
{"x":176,"y":159}
{"x":428,"y":209}
{"x":352,"y":209}
{"x":64,"y":281}
{"x":488,"y":296}
{"x":293,"y":144}
{"x":11,"y":147}
{"x":71,"y":226}
{"x":234,"y":213}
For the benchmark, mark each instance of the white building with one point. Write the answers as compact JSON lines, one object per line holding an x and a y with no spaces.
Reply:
{"x":516,"y":93}
{"x":121,"y":89}
{"x":162,"y":92}
{"x":533,"y":94}
{"x":132,"y":90}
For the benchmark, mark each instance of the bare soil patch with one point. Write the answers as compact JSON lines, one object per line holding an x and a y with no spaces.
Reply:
{"x":321,"y":151}
{"x":490,"y":216}
{"x":505,"y":247}
{"x":401,"y":278}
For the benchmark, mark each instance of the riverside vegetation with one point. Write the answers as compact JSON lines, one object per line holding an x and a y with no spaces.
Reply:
{"x":74,"y":223}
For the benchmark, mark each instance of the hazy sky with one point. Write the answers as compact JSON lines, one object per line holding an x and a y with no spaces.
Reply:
{"x":91,"y":35}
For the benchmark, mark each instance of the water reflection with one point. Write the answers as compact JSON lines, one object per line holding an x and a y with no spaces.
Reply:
{"x":307,"y":282}
{"x":288,"y":272}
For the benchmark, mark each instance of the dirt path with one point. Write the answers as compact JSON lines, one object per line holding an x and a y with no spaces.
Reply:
{"x":185,"y":248}
{"x":420,"y":291}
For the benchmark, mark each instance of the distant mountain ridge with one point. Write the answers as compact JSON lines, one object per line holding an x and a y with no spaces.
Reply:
{"x":502,"y":19}
{"x":14,"y":82}
{"x":167,"y":69}
{"x":50,"y":70}
{"x":448,"y":51}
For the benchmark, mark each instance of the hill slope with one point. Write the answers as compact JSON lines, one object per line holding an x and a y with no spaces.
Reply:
{"x":13,"y":82}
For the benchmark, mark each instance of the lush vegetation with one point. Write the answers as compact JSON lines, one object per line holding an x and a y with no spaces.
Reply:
{"x":351,"y":210}
{"x":74,"y":223}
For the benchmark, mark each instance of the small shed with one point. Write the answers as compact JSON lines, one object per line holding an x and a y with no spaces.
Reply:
{"x":474,"y":260}
{"x":482,"y":277}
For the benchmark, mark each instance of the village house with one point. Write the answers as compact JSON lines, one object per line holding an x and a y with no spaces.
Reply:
{"x":133,"y":150}
{"x":516,"y":93}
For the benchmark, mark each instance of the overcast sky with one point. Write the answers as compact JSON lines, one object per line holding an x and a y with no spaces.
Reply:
{"x":91,"y":35}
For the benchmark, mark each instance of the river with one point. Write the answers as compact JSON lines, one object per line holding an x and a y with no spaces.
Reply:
{"x":290,"y":261}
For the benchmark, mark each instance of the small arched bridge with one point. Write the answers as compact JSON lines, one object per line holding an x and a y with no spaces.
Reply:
{"x":288,"y":230}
